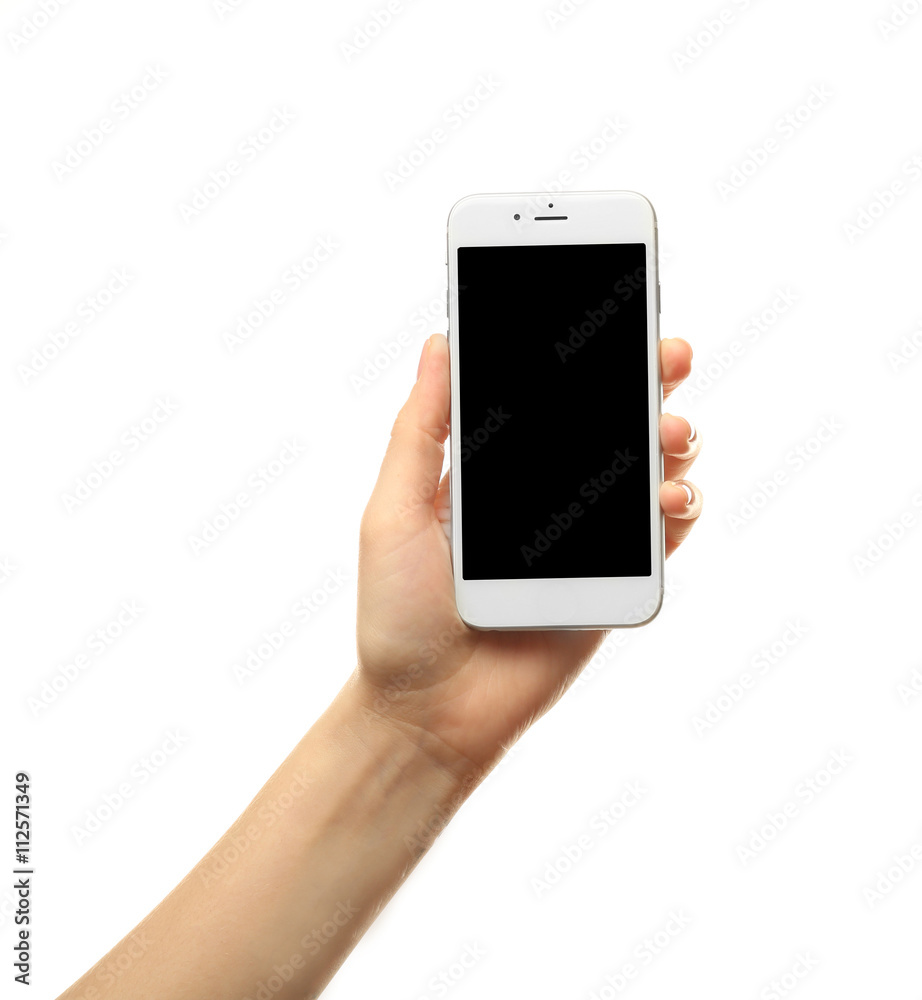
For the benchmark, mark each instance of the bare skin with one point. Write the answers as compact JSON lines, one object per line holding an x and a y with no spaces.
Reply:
{"x":280,"y":901}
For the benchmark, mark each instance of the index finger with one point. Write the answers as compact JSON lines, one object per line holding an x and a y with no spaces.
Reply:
{"x":675,"y":357}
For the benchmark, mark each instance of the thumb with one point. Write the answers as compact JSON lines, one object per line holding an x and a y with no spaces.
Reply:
{"x":409,"y":478}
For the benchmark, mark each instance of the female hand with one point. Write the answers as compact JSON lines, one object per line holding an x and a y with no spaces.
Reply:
{"x":468,"y":694}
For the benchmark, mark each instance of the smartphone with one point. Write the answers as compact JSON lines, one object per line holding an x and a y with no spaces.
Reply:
{"x":553,"y":327}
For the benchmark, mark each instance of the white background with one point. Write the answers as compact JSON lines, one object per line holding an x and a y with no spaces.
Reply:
{"x":791,"y":557}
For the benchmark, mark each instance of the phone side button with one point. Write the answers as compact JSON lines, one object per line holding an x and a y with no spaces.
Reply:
{"x":659,"y":308}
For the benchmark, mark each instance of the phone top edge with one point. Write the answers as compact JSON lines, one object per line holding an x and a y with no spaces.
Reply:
{"x":516,"y":195}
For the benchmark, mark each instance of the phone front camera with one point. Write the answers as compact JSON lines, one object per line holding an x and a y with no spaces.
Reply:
{"x":517,"y":217}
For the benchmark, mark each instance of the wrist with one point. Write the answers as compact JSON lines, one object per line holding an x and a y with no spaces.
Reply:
{"x":412,"y":749}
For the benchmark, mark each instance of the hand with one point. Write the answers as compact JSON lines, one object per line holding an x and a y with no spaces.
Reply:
{"x":467,"y":693}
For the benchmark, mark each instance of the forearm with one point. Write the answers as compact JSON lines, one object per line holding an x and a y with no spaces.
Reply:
{"x":300,"y":876}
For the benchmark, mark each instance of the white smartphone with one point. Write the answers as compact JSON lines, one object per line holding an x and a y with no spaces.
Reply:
{"x":553,"y":309}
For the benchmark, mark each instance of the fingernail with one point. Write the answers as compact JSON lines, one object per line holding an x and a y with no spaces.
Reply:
{"x":422,"y":358}
{"x":692,"y":429}
{"x":689,"y":493}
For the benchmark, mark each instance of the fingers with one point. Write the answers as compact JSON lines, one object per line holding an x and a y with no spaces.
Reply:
{"x":681,"y":444}
{"x":681,"y":502}
{"x":675,"y":357}
{"x":409,"y":478}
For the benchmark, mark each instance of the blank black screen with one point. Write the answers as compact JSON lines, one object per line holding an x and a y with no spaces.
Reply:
{"x":554,"y":412}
